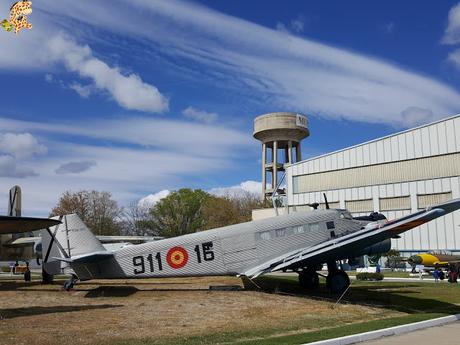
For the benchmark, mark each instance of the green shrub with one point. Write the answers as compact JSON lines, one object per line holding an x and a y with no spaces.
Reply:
{"x":369,"y":276}
{"x":5,"y":269}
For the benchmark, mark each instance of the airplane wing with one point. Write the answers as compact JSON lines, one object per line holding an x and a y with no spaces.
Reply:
{"x":136,"y":239}
{"x":9,"y":225}
{"x":22,"y":241}
{"x":373,"y":233}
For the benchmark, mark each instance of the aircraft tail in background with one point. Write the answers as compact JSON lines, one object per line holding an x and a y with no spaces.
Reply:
{"x":70,"y":239}
{"x":14,"y":202}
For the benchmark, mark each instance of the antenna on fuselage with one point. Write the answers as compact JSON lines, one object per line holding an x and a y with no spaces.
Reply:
{"x":325,"y":200}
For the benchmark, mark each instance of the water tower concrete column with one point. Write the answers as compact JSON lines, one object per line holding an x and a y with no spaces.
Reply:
{"x":279,"y":131}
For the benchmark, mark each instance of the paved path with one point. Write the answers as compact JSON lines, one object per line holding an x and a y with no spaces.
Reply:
{"x":441,"y":335}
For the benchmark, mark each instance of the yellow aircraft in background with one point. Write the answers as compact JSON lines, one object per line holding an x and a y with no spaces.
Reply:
{"x":433,"y":259}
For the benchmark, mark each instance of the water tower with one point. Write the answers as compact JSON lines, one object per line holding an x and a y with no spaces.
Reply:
{"x":279,"y":131}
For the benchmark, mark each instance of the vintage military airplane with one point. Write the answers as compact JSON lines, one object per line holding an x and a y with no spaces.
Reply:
{"x":301,"y":241}
{"x":433,"y":259}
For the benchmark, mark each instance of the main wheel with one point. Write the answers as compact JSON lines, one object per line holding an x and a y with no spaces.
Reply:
{"x":309,"y":279}
{"x":337,"y":281}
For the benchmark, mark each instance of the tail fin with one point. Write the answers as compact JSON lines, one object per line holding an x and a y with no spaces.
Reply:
{"x":69,"y":239}
{"x":14,"y":203}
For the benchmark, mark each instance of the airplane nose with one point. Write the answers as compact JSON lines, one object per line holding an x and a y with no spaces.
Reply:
{"x":415,"y":260}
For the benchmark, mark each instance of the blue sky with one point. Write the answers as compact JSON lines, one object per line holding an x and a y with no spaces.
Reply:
{"x":137,"y":97}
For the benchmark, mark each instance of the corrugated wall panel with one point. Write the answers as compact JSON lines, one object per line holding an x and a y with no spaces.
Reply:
{"x":373,"y":152}
{"x":395,"y":148}
{"x":433,"y":235}
{"x":425,"y":138}
{"x":402,"y":171}
{"x":427,"y":200}
{"x":366,"y":155}
{"x":363,"y":206}
{"x":387,"y":150}
{"x":346,"y":159}
{"x":393,"y":204}
{"x":410,"y":145}
{"x":451,"y":142}
{"x":418,"y":144}
{"x":450,"y":232}
{"x":457,"y":132}
{"x":359,"y":156}
{"x":434,"y":141}
{"x":328,"y":162}
{"x":402,"y":146}
{"x":353,"y":159}
{"x":442,"y":137}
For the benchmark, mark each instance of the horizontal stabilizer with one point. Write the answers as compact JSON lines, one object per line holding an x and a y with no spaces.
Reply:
{"x":9,"y":225}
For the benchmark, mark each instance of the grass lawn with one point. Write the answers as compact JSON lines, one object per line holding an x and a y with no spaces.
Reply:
{"x":183,"y":311}
{"x":413,"y":301}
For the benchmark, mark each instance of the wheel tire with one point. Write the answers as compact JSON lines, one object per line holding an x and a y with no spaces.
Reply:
{"x":309,"y":280}
{"x":337,"y":281}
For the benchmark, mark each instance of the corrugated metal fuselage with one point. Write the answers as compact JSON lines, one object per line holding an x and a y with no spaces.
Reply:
{"x":229,"y":250}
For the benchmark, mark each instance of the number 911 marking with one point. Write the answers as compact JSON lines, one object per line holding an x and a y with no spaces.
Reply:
{"x":176,"y":257}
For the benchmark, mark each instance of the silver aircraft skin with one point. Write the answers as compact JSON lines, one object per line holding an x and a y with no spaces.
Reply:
{"x":300,"y":241}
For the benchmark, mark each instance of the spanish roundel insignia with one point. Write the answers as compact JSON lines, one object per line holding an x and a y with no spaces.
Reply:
{"x":177,"y":257}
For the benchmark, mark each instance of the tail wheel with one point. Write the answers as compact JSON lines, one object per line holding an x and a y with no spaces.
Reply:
{"x":337,"y":281}
{"x":309,"y":279}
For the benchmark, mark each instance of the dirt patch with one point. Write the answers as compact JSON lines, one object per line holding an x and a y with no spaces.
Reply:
{"x":108,"y":311}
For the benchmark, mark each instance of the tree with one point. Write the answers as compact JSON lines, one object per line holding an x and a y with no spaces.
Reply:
{"x":97,"y":210}
{"x":180,"y":213}
{"x":394,"y":259}
{"x":230,"y":209}
{"x":137,"y":221}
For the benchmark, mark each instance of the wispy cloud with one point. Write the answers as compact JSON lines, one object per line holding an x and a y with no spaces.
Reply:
{"x":200,"y":115}
{"x":277,"y":66}
{"x":133,"y":155}
{"x":452,"y":33}
{"x":454,"y":58}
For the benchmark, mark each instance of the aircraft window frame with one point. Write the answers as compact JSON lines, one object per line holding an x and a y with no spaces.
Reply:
{"x":280,"y":232}
{"x":314,"y":227}
{"x":299,"y":229}
{"x":264,"y":235}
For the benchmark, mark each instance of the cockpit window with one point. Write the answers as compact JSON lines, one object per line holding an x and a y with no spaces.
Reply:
{"x":346,"y":215}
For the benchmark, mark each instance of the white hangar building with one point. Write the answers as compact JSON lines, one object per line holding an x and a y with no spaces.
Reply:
{"x":395,"y":175}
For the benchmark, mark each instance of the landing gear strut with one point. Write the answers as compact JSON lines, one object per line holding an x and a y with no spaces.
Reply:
{"x":69,"y":284}
{"x":308,"y":279}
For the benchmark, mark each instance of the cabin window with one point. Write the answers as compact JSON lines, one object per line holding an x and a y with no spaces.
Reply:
{"x":300,"y":229}
{"x":280,"y":232}
{"x":266,"y":235}
{"x":330,"y":225}
{"x":314,"y":227}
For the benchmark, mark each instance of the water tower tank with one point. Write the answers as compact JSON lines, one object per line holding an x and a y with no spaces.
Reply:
{"x":279,"y":131}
